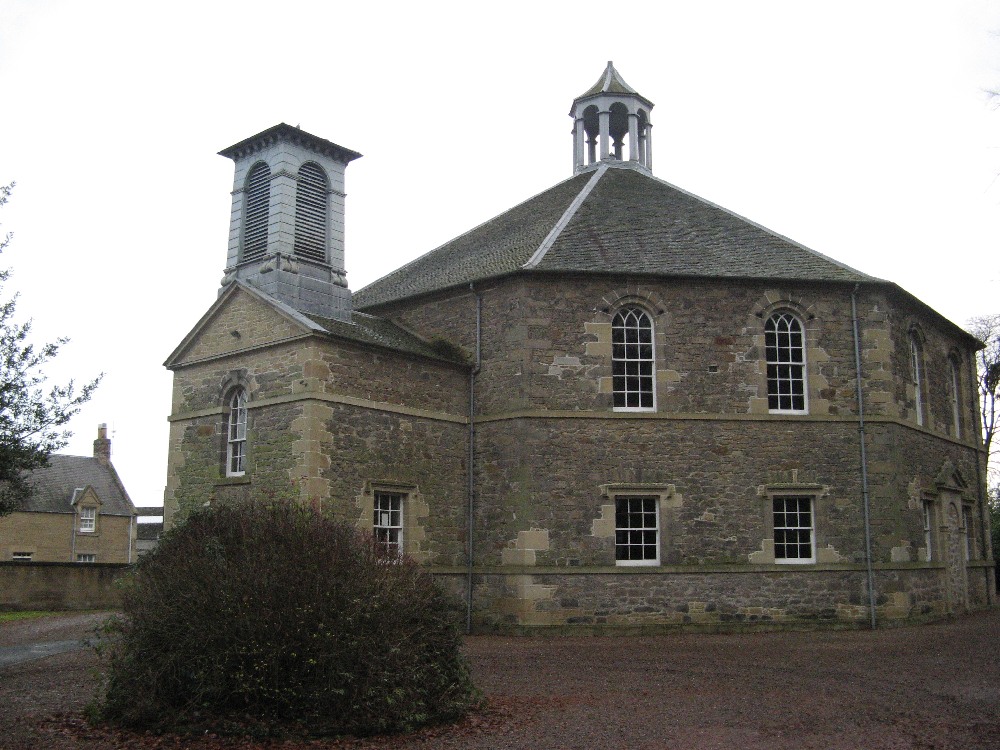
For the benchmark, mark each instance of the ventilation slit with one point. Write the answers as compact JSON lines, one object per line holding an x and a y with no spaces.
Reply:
{"x":311,"y":213}
{"x":258,"y":204}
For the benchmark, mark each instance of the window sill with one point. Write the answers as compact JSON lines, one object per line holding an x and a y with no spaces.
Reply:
{"x":227,"y":481}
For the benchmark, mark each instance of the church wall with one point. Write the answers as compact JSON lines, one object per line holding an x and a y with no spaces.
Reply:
{"x":325,"y":416}
{"x":546,"y":345}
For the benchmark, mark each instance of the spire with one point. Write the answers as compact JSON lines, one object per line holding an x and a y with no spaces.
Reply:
{"x":611,"y":123}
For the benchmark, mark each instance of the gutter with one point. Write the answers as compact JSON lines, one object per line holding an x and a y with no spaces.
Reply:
{"x":864,"y":458}
{"x":472,"y":448}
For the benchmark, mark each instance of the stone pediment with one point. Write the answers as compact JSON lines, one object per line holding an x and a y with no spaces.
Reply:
{"x":241,"y":319}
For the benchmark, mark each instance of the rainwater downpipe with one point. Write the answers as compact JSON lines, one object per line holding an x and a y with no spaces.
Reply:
{"x":472,"y":448}
{"x":983,"y":515}
{"x":864,"y":457}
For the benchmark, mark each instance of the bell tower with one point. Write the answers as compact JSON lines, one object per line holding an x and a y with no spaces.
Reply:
{"x":286,"y":235}
{"x":611,"y":123}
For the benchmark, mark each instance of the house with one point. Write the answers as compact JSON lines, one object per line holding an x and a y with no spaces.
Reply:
{"x":78,"y":512}
{"x":614,"y":405}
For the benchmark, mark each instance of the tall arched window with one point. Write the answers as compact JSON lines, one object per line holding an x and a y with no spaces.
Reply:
{"x":256,"y":208}
{"x":917,"y":376}
{"x":311,"y":213}
{"x":956,"y":400}
{"x":236,"y":434}
{"x":632,"y":361}
{"x":786,"y":363}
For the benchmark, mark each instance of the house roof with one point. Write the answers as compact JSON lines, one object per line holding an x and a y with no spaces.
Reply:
{"x":55,"y":486}
{"x":612,"y":219}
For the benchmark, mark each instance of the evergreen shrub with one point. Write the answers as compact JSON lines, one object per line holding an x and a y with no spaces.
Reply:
{"x":270,"y":618}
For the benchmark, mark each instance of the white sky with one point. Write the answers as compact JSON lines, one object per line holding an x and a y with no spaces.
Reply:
{"x":860,"y":129}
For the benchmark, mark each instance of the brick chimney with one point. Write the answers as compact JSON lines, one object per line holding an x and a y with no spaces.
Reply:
{"x":102,"y":446}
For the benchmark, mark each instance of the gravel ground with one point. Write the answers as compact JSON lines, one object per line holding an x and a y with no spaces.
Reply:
{"x":932,"y":686}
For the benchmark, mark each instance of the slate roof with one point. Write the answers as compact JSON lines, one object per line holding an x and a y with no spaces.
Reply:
{"x":369,"y":329}
{"x":611,"y":82}
{"x":54,"y":486}
{"x":613,"y":219}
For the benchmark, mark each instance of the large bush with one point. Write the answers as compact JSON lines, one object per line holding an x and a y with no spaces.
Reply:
{"x":272,"y":618}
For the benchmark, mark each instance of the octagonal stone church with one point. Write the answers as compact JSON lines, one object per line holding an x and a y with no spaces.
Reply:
{"x":615,"y":405}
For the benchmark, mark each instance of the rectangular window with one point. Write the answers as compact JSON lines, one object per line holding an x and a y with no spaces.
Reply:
{"x":928,"y":555}
{"x":388,"y":521}
{"x":793,"y":530}
{"x":86,"y":558}
{"x":88,"y":519}
{"x":22,"y":556}
{"x":637,"y":531}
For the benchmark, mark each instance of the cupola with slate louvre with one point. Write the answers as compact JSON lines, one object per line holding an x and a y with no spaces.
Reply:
{"x":286,"y":235}
{"x":611,"y":123}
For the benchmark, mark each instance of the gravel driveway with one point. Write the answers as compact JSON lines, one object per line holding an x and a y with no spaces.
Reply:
{"x":932,"y":686}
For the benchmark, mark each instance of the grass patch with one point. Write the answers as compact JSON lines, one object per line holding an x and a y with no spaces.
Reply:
{"x":25,"y":615}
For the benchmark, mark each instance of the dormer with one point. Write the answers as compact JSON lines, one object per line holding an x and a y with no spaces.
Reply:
{"x":611,"y":124}
{"x":286,"y":235}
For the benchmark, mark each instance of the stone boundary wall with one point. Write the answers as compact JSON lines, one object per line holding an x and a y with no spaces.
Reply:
{"x":60,"y":586}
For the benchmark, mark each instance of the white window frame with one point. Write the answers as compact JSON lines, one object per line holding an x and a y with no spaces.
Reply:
{"x":21,"y":556}
{"x":795,"y":529}
{"x":785,"y":370}
{"x":86,"y":558}
{"x":917,"y":377}
{"x":625,"y":533}
{"x":637,"y":366}
{"x":387,"y":520}
{"x":88,"y":520}
{"x":236,"y":434}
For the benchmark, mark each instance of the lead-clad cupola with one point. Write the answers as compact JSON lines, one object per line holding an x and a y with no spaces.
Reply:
{"x":611,"y":123}
{"x":286,"y":236}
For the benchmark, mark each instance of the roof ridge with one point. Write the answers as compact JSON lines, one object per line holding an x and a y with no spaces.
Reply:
{"x":565,"y":219}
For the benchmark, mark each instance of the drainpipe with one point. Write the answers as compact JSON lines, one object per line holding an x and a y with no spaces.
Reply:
{"x":983,"y":513}
{"x":864,"y":458}
{"x":472,"y":448}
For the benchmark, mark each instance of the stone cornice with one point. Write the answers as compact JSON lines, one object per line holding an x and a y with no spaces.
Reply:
{"x":284,"y":132}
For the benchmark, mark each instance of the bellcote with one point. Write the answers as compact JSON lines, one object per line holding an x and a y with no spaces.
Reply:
{"x":611,"y":123}
{"x":286,"y":234}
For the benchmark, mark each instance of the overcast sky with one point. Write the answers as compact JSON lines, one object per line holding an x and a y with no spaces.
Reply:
{"x":860,"y":129}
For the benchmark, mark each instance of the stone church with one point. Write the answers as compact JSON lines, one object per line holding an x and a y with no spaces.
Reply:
{"x":616,"y":405}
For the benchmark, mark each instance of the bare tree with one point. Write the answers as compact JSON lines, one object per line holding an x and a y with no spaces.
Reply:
{"x":987,"y":329}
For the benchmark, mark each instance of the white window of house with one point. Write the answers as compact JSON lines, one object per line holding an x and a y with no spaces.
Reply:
{"x":917,"y":377}
{"x":88,"y":520}
{"x":22,"y":556}
{"x":632,"y":361}
{"x":91,"y":558}
{"x":785,"y":350}
{"x":236,"y":442}
{"x":928,"y":531}
{"x":388,"y":521}
{"x":956,"y":408}
{"x":637,"y":531}
{"x":794,"y":532}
